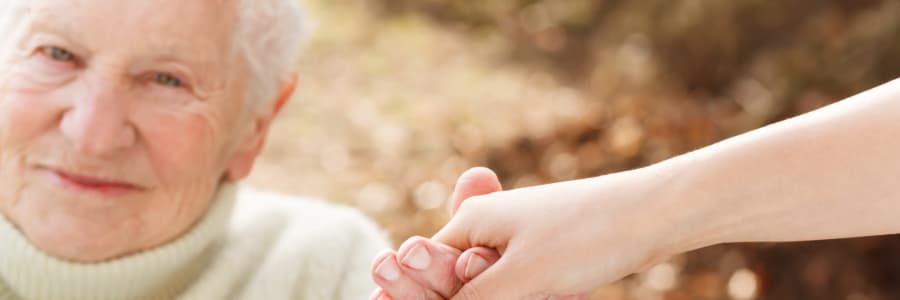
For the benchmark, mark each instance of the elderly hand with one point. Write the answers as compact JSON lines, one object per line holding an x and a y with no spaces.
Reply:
{"x":424,"y":269}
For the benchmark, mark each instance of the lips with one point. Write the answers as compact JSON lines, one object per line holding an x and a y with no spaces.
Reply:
{"x":94,"y":184}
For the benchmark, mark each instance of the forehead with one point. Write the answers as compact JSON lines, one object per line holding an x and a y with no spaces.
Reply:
{"x":185,"y":28}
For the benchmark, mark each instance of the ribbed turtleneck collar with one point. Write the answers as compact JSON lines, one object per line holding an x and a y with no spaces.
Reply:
{"x":158,"y":273}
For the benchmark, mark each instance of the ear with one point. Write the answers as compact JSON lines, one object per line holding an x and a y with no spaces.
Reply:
{"x":251,"y":146}
{"x":285,"y":94}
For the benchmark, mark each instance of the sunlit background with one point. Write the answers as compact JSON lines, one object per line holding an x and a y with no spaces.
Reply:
{"x":398,"y":97}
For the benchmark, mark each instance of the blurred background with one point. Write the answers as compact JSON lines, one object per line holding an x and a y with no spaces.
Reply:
{"x":398,"y":97}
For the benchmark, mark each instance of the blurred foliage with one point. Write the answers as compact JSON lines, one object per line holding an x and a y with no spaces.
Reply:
{"x":398,"y":97}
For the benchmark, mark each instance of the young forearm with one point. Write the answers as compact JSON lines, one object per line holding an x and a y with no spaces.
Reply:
{"x":831,"y":173}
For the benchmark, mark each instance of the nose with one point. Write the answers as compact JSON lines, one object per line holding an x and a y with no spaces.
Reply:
{"x":97,"y":122}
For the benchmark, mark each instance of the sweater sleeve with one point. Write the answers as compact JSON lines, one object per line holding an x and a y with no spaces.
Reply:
{"x":301,"y":248}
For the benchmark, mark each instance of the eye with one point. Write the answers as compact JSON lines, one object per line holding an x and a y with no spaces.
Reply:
{"x":168,"y":80}
{"x":58,"y":54}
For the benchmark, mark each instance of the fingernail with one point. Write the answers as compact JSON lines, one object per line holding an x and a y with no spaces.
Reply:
{"x":475,"y":266}
{"x":388,"y":269}
{"x":417,"y":258}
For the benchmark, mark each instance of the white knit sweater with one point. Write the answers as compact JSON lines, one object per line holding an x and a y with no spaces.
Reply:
{"x":270,"y":247}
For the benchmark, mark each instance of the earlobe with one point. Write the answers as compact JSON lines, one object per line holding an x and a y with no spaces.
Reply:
{"x":242,"y":162}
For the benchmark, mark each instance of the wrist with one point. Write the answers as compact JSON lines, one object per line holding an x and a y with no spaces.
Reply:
{"x":682,"y":216}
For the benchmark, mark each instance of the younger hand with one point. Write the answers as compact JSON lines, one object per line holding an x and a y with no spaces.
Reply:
{"x":564,"y":238}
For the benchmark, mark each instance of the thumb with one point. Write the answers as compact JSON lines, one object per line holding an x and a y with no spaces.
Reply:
{"x":473,"y":182}
{"x":457,"y":232}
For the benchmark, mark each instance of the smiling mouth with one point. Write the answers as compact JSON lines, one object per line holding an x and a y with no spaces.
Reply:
{"x":87,"y":183}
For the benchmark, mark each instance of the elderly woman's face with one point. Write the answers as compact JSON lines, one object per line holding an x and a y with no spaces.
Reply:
{"x":117,"y":121}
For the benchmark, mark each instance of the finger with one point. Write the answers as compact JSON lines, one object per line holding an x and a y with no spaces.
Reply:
{"x":456,"y":232}
{"x":475,"y":261}
{"x":378,"y":260}
{"x":483,"y":221}
{"x":378,"y":294}
{"x":503,"y":280}
{"x":389,"y":275}
{"x":430,"y":264}
{"x":473,"y":182}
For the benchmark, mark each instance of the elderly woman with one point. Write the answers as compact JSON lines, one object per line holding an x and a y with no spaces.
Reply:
{"x":124,"y":126}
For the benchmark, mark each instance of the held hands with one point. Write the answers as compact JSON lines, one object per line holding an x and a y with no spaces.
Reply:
{"x":558,"y":239}
{"x":569,"y":237}
{"x":424,"y":269}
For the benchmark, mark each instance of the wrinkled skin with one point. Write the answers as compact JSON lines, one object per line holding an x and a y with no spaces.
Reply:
{"x":119,"y":120}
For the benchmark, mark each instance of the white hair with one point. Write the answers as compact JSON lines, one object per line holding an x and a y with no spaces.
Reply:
{"x":269,"y":36}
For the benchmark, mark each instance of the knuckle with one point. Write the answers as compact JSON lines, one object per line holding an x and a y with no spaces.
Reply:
{"x":415,"y":240}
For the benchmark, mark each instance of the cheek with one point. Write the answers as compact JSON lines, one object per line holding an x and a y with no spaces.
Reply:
{"x":26,"y":113}
{"x":25,"y":116}
{"x":30,"y":107}
{"x":184,"y":145}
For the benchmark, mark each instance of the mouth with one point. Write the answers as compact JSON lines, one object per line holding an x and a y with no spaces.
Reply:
{"x":92,"y":184}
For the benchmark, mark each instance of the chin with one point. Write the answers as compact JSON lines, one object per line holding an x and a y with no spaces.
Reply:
{"x":77,"y":227}
{"x":78,"y":240}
